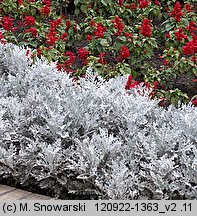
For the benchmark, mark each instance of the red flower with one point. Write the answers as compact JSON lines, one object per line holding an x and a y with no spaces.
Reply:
{"x":191,"y":28}
{"x":193,"y":58}
{"x":129,"y":80}
{"x":156,"y":2}
{"x":188,"y":7}
{"x":189,"y":48}
{"x":101,"y":58}
{"x":27,"y":52}
{"x":118,"y":25}
{"x":143,"y":4}
{"x":165,"y":62}
{"x":124,"y":53}
{"x":32,"y":30}
{"x":39,"y":52}
{"x":146,"y":29}
{"x":2,"y":38}
{"x":46,"y":10}
{"x":7,"y":23}
{"x":168,"y":35}
{"x":128,"y":36}
{"x":133,"y":6}
{"x":180,"y":35}
{"x":130,"y":83}
{"x":177,"y":12}
{"x":20,"y":2}
{"x":71,"y":59}
{"x":92,"y":23}
{"x":89,"y":37}
{"x":50,"y":39}
{"x":163,"y":101}
{"x":68,"y":24}
{"x":155,"y":83}
{"x":55,"y":23}
{"x":63,"y":16}
{"x":83,"y":54}
{"x":64,"y":36}
{"x":46,"y":2}
{"x":194,"y":102}
{"x":121,"y":2}
{"x":29,"y":20}
{"x":100,"y":31}
{"x":14,"y":29}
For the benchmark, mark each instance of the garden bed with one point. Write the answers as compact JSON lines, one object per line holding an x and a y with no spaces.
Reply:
{"x":93,"y":140}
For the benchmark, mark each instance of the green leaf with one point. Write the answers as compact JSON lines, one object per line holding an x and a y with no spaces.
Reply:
{"x":76,"y":12}
{"x":127,"y":70}
{"x":84,"y":9}
{"x":168,"y":27}
{"x":76,"y":2}
{"x":104,"y":42}
{"x":185,"y":21}
{"x":104,"y":2}
{"x":133,"y":73}
{"x":194,"y":70}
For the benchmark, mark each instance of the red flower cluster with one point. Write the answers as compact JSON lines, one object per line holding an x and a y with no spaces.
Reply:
{"x":20,"y":2}
{"x":46,"y":2}
{"x":64,"y":36}
{"x":124,"y":54}
{"x":143,"y":4}
{"x":68,"y":24}
{"x":194,"y":102}
{"x":133,"y":6}
{"x":89,"y":37}
{"x":191,"y":47}
{"x":71,"y":59}
{"x":33,"y":31}
{"x":128,"y":36}
{"x":45,"y":10}
{"x":180,"y":35}
{"x":118,"y":25}
{"x":29,"y":20}
{"x":177,"y":12}
{"x":191,"y":28}
{"x":130,"y":83}
{"x":55,"y":23}
{"x":7,"y":23}
{"x":135,"y":84}
{"x":154,"y":92}
{"x":101,"y":58}
{"x":92,"y":23}
{"x":146,"y":29}
{"x":51,"y":40}
{"x":188,"y":7}
{"x":121,"y":2}
{"x":100,"y":30}
{"x":83,"y":54}
{"x":2,"y":38}
{"x":165,"y":62}
{"x":167,"y":35}
{"x":156,"y":2}
{"x":39,"y":52}
{"x":51,"y":36}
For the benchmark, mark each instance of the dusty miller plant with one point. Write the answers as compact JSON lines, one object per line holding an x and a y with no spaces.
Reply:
{"x":91,"y":140}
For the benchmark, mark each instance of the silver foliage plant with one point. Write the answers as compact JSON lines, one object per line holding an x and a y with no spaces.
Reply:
{"x":92,"y":140}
